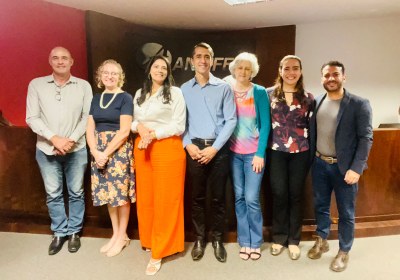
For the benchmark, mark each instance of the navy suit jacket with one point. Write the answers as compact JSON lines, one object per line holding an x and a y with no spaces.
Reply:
{"x":353,"y":138}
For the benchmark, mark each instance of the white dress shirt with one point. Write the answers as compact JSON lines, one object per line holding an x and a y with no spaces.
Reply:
{"x":165,"y":119}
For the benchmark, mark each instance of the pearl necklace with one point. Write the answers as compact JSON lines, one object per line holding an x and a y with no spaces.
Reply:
{"x":109,"y":102}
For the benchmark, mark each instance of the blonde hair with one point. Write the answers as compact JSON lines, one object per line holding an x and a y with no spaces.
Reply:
{"x":245,"y":56}
{"x":121,"y":78}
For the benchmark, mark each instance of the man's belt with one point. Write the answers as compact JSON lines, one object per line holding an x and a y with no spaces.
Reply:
{"x":203,"y":142}
{"x":330,"y":160}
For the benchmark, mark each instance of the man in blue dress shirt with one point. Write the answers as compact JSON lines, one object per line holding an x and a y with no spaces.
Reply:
{"x":211,"y":119}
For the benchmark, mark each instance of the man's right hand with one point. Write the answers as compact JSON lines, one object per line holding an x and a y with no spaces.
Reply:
{"x":61,"y":144}
{"x":193,"y":151}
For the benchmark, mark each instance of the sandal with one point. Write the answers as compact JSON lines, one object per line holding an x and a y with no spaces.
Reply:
{"x":254,"y":255}
{"x":153,"y":267}
{"x":243,"y":254}
{"x":146,"y":249}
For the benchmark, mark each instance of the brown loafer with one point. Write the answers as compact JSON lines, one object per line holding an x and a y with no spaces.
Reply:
{"x":320,"y":246}
{"x":339,"y":263}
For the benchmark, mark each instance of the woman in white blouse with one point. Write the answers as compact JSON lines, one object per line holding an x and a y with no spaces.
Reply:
{"x":159,"y":120}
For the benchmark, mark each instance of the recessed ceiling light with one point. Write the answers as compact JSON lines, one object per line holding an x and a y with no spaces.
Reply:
{"x":241,"y":2}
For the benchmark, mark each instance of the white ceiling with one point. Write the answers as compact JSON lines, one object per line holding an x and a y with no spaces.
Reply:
{"x":217,"y":15}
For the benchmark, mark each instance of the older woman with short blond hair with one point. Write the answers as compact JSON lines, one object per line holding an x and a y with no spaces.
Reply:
{"x":248,"y":145}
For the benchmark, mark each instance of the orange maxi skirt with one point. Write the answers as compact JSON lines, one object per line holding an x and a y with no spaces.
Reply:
{"x":160,"y":179}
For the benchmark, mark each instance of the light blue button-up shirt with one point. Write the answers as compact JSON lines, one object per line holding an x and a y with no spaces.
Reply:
{"x":211,"y":111}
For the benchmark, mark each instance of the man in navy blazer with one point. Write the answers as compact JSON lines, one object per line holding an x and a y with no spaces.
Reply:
{"x":341,"y":138}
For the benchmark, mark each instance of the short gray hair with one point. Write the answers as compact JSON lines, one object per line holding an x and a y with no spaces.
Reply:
{"x":245,"y":56}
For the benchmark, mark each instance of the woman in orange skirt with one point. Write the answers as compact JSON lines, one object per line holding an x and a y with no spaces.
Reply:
{"x":159,"y":120}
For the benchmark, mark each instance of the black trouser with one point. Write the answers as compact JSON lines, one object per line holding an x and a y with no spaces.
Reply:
{"x":287,"y":173}
{"x":215,"y":173}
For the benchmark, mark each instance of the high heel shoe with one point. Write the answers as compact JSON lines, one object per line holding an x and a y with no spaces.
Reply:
{"x":106,"y":247}
{"x":153,"y":267}
{"x":118,"y":247}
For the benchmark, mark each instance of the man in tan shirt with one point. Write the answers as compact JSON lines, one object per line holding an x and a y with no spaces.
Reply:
{"x":56,"y":110}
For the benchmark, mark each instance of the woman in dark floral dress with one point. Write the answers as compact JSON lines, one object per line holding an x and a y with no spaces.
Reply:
{"x":291,"y":109}
{"x":112,"y":167}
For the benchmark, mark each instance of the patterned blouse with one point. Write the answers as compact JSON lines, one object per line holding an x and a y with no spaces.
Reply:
{"x":290,"y":124}
{"x":244,"y":139}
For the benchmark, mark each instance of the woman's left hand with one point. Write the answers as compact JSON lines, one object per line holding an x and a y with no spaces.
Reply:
{"x":100,"y":158}
{"x":146,"y":141}
{"x":258,"y":164}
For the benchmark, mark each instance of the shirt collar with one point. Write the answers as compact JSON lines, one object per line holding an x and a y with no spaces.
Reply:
{"x":212,"y":80}
{"x":72,"y":79}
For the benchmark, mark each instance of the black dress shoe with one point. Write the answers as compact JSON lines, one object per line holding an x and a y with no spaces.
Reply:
{"x":198,"y":250}
{"x":219,"y":251}
{"x":56,"y":244}
{"x":74,"y":243}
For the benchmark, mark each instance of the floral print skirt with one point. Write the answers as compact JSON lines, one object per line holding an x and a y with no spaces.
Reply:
{"x":115,"y":184}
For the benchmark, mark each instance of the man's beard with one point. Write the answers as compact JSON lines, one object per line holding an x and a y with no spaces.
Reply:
{"x":329,"y":89}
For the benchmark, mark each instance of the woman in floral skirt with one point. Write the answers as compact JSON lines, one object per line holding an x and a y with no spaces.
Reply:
{"x":112,"y":166}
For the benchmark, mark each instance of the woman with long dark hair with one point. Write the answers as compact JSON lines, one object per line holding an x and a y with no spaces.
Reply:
{"x":159,"y":120}
{"x":291,"y":109}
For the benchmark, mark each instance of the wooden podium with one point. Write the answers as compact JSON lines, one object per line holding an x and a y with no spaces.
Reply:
{"x":23,"y":199}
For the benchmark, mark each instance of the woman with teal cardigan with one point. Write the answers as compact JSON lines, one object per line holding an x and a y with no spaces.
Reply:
{"x":248,"y":144}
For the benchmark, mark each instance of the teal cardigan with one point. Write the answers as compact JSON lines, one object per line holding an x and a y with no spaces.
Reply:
{"x":263,"y":118}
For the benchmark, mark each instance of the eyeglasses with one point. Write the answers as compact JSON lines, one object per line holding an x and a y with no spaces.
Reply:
{"x":58,"y":93}
{"x":113,"y":74}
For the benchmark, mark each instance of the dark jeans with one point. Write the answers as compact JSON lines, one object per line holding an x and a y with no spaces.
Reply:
{"x":215,"y":173}
{"x":327,"y":178}
{"x":287,"y":174}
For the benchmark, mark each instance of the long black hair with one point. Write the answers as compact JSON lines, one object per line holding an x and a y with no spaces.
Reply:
{"x":148,"y":82}
{"x":278,"y":88}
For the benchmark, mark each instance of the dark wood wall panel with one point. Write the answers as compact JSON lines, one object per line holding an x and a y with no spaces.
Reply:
{"x":379,"y":190}
{"x":110,"y":37}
